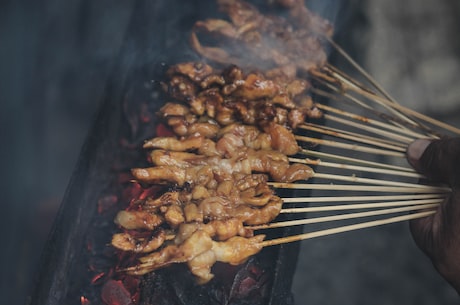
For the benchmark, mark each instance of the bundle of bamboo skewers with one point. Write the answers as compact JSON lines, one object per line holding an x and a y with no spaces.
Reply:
{"x":382,"y":135}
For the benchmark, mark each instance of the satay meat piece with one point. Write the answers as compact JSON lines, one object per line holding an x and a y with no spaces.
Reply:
{"x":199,"y":242}
{"x":175,"y":144}
{"x":282,"y":139}
{"x":255,"y":87}
{"x":200,"y":252}
{"x":218,"y":207}
{"x":128,"y":242}
{"x":217,"y":229}
{"x":203,"y":170}
{"x":182,"y":88}
{"x":174,"y":109}
{"x":134,"y":220}
{"x":234,"y":251}
{"x":196,"y":71}
{"x":232,"y":138}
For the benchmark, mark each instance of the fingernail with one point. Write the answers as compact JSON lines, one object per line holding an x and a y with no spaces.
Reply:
{"x":415,"y":151}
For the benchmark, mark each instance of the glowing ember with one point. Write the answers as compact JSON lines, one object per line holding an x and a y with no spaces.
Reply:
{"x":115,"y":293}
{"x":106,"y":203}
{"x":84,"y":301}
{"x":97,"y":278}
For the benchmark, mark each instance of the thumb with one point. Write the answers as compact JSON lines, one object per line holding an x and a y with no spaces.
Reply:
{"x":439,"y":160}
{"x":421,"y":228}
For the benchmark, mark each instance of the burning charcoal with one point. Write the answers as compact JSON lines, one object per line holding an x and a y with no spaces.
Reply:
{"x":114,"y":293}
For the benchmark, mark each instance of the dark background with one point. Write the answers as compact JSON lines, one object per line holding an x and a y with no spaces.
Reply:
{"x":55,"y":57}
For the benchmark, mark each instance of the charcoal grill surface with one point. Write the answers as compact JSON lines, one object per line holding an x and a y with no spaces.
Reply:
{"x":154,"y":40}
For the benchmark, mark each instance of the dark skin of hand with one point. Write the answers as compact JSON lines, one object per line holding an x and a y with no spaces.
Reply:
{"x":438,"y":235}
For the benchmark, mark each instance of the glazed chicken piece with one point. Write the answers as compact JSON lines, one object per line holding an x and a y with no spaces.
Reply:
{"x":195,"y":71}
{"x":200,"y":171}
{"x":234,"y":251}
{"x":217,"y":229}
{"x":175,"y":144}
{"x":255,"y":87}
{"x":174,"y":109}
{"x":200,"y":252}
{"x":197,"y":243}
{"x":128,"y":242}
{"x":282,"y":139}
{"x":218,"y":207}
{"x":132,"y":220}
{"x":174,"y":158}
{"x":184,"y":127}
{"x":232,"y":141}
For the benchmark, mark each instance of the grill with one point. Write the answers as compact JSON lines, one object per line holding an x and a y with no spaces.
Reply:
{"x":77,"y":265}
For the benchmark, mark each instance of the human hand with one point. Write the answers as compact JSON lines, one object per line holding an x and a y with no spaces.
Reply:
{"x":438,"y":235}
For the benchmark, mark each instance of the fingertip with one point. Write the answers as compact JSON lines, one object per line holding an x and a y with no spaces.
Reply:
{"x":415,"y":151}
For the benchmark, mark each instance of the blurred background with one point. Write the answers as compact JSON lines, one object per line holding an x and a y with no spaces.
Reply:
{"x":55,"y":57}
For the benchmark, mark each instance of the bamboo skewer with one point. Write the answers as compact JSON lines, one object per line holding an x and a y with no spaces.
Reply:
{"x":356,"y":206}
{"x":351,"y":146}
{"x":369,"y":224}
{"x":319,"y":162}
{"x":402,"y":109}
{"x":361,"y":198}
{"x":351,"y":136}
{"x":324,"y":155}
{"x":398,"y":123}
{"x":342,"y":77}
{"x":406,"y":120}
{"x":381,"y":132}
{"x":360,"y":69}
{"x":370,"y":121}
{"x":362,"y":188}
{"x":348,"y":82}
{"x":358,"y":135}
{"x":351,"y":83}
{"x":290,"y":223}
{"x":355,"y":179}
{"x":340,"y":83}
